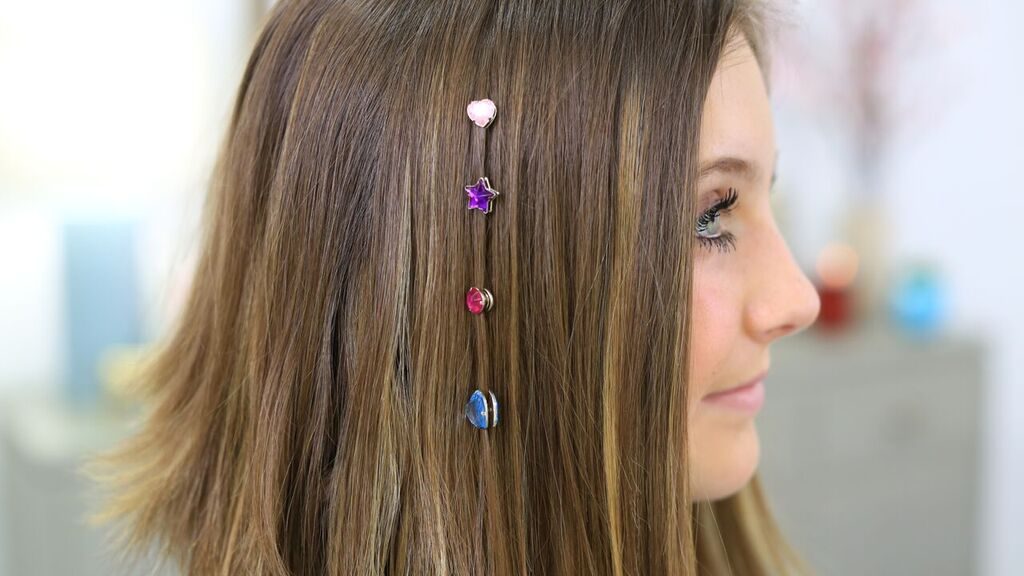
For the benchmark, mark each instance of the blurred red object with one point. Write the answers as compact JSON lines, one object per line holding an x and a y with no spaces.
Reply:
{"x":836,"y":308}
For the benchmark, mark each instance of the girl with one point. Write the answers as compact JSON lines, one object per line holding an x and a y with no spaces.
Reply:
{"x":488,"y":287}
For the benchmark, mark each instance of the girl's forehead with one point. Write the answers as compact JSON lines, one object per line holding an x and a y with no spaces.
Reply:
{"x":737,"y":121}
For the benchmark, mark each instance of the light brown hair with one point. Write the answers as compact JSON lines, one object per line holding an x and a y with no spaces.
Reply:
{"x":306,"y":413}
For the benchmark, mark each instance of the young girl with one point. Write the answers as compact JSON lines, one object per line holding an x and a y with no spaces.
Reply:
{"x":488,"y":287}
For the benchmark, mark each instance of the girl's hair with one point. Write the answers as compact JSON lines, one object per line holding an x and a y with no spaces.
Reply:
{"x":306,"y":413}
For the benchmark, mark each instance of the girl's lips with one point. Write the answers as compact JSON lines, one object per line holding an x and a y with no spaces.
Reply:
{"x":748,"y":398}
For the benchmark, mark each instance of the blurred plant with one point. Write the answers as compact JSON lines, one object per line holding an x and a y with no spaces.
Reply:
{"x":875,"y":53}
{"x":860,"y":71}
{"x":863,"y":72}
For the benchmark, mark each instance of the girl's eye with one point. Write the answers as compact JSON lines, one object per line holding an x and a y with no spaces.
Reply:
{"x":709,"y":226}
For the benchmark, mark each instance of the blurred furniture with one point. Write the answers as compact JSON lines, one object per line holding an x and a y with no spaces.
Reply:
{"x":43,"y":499}
{"x":870,"y":451}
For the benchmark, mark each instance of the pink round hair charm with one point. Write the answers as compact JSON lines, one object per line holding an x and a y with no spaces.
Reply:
{"x":482,"y":112}
{"x":479,"y":300}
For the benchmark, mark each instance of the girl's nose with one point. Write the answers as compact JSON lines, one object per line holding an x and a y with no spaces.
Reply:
{"x":781,"y":299}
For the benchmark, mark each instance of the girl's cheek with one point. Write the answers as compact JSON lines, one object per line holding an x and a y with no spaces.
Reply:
{"x":714,"y":323}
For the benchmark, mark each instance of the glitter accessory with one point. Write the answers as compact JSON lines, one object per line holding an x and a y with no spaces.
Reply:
{"x":482,"y":112}
{"x":482,"y":410}
{"x":479,"y":300}
{"x":482,"y":407}
{"x":481,"y":195}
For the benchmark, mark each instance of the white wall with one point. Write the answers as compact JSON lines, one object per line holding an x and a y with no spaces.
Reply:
{"x":108,"y":108}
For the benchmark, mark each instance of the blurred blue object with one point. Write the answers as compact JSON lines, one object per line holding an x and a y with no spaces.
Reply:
{"x":101,"y":294}
{"x":918,"y":301}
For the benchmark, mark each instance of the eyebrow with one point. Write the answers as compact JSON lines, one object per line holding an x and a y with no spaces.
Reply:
{"x":736,"y":166}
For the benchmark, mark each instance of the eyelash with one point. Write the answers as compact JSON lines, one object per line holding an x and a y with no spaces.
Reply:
{"x":725,"y":241}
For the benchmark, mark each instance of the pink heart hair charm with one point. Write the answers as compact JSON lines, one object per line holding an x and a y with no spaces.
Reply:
{"x":482,"y":112}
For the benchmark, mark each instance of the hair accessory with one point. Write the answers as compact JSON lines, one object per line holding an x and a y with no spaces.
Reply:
{"x":479,"y":300}
{"x":481,"y":195}
{"x":482,"y":410}
{"x":481,"y":112}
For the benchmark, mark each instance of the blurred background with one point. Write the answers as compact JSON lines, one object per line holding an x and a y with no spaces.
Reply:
{"x":893,"y":435}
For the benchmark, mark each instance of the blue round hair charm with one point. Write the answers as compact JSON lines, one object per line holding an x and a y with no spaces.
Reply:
{"x":482,"y":410}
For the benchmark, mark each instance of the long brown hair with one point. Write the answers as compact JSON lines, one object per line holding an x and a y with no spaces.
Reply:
{"x":306,"y":412}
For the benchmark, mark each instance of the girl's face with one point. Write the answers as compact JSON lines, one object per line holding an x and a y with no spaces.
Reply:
{"x":747,"y":290}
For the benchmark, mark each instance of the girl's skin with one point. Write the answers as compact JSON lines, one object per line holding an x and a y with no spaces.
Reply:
{"x":747,"y":293}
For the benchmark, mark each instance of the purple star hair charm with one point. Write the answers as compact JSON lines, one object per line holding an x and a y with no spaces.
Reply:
{"x":481,"y":195}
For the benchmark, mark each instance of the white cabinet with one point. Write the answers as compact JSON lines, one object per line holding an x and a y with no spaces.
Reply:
{"x":870,"y":451}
